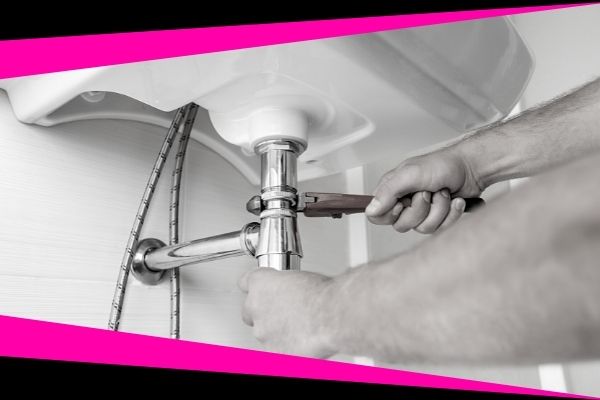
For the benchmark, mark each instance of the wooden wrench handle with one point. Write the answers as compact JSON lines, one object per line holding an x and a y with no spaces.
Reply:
{"x":337,"y":204}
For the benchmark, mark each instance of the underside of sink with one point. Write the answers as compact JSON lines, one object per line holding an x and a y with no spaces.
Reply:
{"x":362,"y":97}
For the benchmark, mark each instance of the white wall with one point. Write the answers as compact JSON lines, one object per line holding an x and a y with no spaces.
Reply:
{"x":566,"y":48}
{"x":68,"y":196}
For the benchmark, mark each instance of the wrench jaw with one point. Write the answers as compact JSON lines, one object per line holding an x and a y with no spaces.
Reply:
{"x":317,"y":204}
{"x":307,"y":204}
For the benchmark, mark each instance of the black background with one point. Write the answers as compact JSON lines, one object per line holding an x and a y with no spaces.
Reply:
{"x":92,"y":380}
{"x":27,"y":20}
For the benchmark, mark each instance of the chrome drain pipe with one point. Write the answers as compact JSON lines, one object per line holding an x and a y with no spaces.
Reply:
{"x":152,"y":257}
{"x":279,"y":245}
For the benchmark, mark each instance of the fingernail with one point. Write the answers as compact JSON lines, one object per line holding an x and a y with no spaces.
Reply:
{"x":427,"y":196}
{"x":460,"y":204}
{"x":397,"y":209}
{"x":445,"y":193}
{"x":373,"y":207}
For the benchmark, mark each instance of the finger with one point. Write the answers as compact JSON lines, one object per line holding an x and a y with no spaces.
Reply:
{"x":412,"y":216}
{"x":259,"y":333}
{"x":440,"y":207}
{"x":243,"y":282}
{"x":389,"y":217}
{"x":247,"y":315}
{"x":457,"y":208}
{"x":393,"y":185}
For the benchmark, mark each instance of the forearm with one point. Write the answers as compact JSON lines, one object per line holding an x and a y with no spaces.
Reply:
{"x":492,"y":289}
{"x":559,"y":131}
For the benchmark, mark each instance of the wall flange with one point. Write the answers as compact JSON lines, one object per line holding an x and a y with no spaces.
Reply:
{"x":139,"y":268}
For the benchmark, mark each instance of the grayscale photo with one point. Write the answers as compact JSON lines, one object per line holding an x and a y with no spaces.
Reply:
{"x":422,"y":199}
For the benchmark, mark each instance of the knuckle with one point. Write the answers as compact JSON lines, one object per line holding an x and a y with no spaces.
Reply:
{"x":440,"y":199}
{"x":256,"y":277}
{"x":387,"y":176}
{"x":415,"y":171}
{"x":384,"y":182}
{"x":385,"y":187}
{"x":406,"y":171}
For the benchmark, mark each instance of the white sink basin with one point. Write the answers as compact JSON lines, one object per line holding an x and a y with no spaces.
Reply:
{"x":366,"y":96}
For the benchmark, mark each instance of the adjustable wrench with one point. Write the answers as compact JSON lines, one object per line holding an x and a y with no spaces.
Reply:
{"x":335,"y":205}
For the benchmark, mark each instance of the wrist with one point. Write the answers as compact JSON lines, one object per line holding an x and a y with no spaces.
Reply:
{"x":338,"y":311}
{"x":326,"y":321}
{"x":472,"y":157}
{"x":490,"y":155}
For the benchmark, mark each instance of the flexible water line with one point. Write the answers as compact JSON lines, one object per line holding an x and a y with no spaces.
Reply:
{"x":119,"y":296}
{"x":175,"y":315}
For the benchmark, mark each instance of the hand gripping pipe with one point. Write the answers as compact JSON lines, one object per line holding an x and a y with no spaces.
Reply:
{"x":119,"y":296}
{"x":175,"y":316}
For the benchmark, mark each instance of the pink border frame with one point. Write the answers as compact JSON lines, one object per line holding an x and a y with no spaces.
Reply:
{"x":45,"y":340}
{"x":27,"y":338}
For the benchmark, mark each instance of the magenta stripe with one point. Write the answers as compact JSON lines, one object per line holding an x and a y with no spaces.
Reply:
{"x":51,"y":341}
{"x":43,"y":55}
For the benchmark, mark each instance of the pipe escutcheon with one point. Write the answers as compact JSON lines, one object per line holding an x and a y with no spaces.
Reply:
{"x":138,"y":266}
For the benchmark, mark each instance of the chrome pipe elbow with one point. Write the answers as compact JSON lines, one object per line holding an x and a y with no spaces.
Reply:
{"x":152,"y":257}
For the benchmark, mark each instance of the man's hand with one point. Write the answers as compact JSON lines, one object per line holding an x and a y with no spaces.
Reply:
{"x":439,"y":181}
{"x":287,"y":311}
